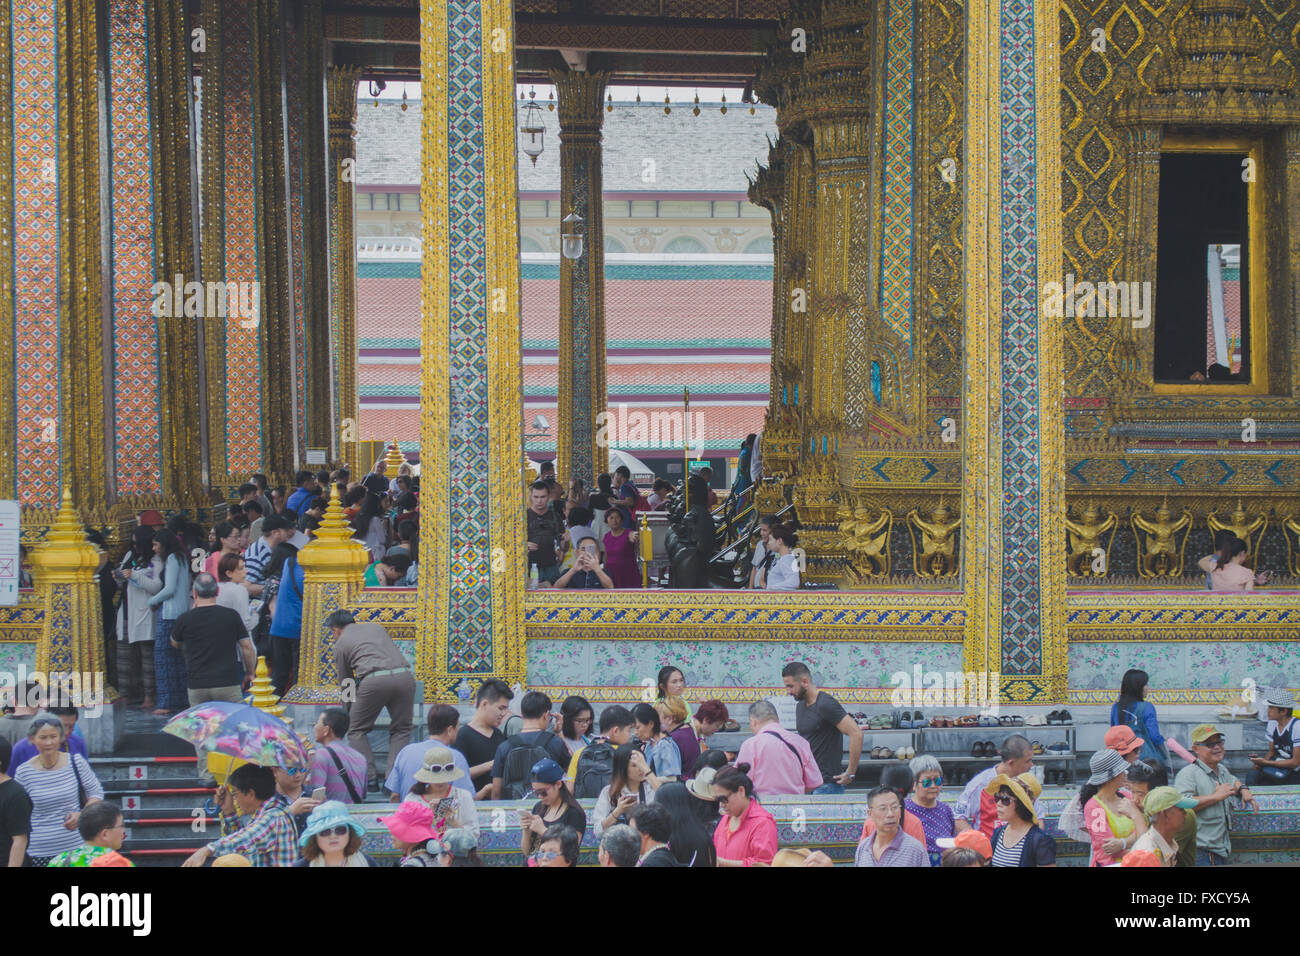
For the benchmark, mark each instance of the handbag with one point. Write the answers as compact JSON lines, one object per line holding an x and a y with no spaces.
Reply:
{"x":81,"y":790}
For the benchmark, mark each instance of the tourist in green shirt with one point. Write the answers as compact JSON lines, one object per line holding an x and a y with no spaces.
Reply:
{"x":102,"y":828}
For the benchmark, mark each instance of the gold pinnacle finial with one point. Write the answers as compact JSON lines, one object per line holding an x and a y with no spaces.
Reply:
{"x":393,"y":460}
{"x":334,"y":527}
{"x":263,"y":695}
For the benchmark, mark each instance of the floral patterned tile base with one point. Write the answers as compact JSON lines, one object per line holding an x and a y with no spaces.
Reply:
{"x":732,"y":663}
{"x":1192,"y":665}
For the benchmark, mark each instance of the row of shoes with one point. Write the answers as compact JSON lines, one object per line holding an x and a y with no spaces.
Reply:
{"x":1059,"y":717}
{"x":885,"y":753}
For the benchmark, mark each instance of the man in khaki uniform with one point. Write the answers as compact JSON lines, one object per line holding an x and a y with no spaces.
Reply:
{"x":369,"y":663}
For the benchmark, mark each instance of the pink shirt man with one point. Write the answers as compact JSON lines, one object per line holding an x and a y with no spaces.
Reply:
{"x":774,"y":768}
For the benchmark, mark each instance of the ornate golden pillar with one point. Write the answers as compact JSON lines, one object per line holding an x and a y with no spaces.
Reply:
{"x":314,"y":256}
{"x":80,"y":288}
{"x":71,"y":646}
{"x":175,"y":249}
{"x":341,"y":91}
{"x":333,"y":566}
{"x":582,"y":281}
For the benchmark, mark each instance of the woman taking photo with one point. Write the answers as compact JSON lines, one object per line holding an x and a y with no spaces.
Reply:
{"x":140,"y":578}
{"x":1132,"y":711}
{"x":585,"y":572}
{"x":626,"y":789}
{"x":172,"y":601}
{"x":1022,"y":841}
{"x":453,"y":807}
{"x":555,"y":804}
{"x":60,"y":785}
{"x":332,"y":838}
{"x":746,"y":834}
{"x":690,"y":842}
{"x":661,"y":751}
{"x":1112,"y":821}
{"x":783,"y":575}
{"x":576,"y":718}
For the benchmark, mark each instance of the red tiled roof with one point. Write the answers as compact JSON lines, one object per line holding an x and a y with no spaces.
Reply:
{"x":668,"y":310}
{"x":388,"y":308}
{"x":721,"y":422}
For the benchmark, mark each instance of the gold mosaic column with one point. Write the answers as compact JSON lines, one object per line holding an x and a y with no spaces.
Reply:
{"x":81,"y":429}
{"x":341,"y":87}
{"x":333,"y":566}
{"x":176,"y":253}
{"x":314,"y":257}
{"x":582,"y":392}
{"x":63,"y":571}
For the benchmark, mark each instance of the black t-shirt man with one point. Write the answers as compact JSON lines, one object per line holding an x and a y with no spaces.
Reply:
{"x":15,"y":817}
{"x":478,"y":749}
{"x":818,"y":725}
{"x":210,"y":635}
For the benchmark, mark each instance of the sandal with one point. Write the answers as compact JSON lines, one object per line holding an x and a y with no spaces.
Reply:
{"x":886,"y":753}
{"x":1037,"y":749}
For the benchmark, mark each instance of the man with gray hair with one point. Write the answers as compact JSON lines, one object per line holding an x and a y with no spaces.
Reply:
{"x":975,"y":808}
{"x":780,"y":761}
{"x":373,"y":675}
{"x":620,"y":846}
{"x":213,"y":639}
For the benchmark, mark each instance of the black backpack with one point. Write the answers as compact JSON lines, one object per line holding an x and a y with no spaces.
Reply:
{"x":516,"y":775}
{"x":594,"y":771}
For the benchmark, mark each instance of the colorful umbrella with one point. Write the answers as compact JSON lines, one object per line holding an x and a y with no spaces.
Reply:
{"x":239,"y":731}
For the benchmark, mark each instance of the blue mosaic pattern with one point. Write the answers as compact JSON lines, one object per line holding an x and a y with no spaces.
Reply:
{"x":469,"y":644}
{"x":1022,"y":650}
{"x":896,"y":244}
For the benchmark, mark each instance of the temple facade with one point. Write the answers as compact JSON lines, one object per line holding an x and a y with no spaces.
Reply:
{"x":1032,"y":322}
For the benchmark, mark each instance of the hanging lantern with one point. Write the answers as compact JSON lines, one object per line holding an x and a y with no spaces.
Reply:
{"x":667,"y":109}
{"x":571,"y":236}
{"x":638,"y":94}
{"x":403,"y":100}
{"x":724,"y":104}
{"x":534,"y":131}
{"x":696,"y":111}
{"x":551,"y":105}
{"x":609,"y":103}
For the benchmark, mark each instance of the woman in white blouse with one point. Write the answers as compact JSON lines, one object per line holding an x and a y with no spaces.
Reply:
{"x":626,"y":788}
{"x":783,"y":575}
{"x":231,"y":591}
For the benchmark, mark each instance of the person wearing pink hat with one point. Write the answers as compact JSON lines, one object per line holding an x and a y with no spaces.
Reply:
{"x":411,"y":827}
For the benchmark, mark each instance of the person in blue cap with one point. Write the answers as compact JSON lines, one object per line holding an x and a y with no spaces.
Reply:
{"x":555,"y":804}
{"x":332,"y":838}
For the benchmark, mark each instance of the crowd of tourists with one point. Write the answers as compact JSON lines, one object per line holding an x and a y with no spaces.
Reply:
{"x":587,"y":539}
{"x":644,"y":782}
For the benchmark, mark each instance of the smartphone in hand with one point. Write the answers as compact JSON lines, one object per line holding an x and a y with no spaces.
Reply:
{"x":318,"y":794}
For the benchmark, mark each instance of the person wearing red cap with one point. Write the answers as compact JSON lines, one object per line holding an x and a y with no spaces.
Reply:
{"x":969,"y":842}
{"x":1124,"y":742}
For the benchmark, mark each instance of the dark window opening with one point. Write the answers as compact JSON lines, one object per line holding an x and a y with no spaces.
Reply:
{"x":1202,"y":318}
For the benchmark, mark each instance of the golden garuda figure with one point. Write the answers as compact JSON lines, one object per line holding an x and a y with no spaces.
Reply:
{"x":1291,"y":530}
{"x":935,"y":556}
{"x":1252,"y":532}
{"x":1085,"y":541}
{"x":866,"y":538}
{"x":1161,"y":554}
